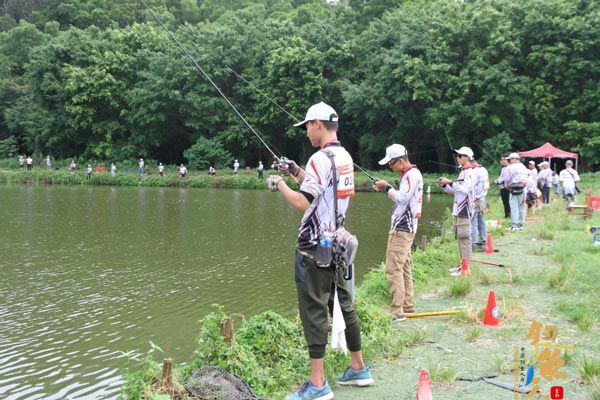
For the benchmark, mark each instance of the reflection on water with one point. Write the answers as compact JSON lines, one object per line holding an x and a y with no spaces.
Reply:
{"x":89,"y":273}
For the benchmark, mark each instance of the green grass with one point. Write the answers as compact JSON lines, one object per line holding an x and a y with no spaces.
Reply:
{"x":561,"y":278}
{"x":461,"y":287}
{"x":473,"y":333}
{"x":590,"y":369}
{"x":445,"y":374}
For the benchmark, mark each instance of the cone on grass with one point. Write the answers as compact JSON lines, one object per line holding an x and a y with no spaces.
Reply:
{"x":424,"y":386}
{"x":464,"y":267}
{"x":491,"y":311}
{"x":489,"y":245}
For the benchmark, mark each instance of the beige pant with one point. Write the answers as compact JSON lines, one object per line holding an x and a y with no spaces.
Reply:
{"x":398,"y":270}
{"x":462,"y":232}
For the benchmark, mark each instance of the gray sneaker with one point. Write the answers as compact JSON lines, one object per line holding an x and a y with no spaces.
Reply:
{"x":399,"y":318}
{"x":356,"y":378}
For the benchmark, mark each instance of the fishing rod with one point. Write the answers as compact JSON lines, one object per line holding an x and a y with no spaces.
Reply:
{"x":282,"y":160}
{"x":373,"y":178}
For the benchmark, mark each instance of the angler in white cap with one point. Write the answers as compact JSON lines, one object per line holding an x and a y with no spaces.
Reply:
{"x":408,"y":199}
{"x":463,"y":189}
{"x":516,"y":181}
{"x":316,"y":272}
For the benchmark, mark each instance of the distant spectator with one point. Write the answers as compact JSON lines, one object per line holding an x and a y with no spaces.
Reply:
{"x":236,"y":166}
{"x":161,"y":169}
{"x":569,"y":178}
{"x":141,"y":167}
{"x":212,"y":171}
{"x":545,"y":181}
{"x":29,"y":163}
{"x":72,"y":166}
{"x":501,"y":183}
{"x":48,"y":163}
{"x":113,"y":169}
{"x":183,"y":171}
{"x":261,"y":170}
{"x":21,"y":161}
{"x":555,"y":182}
{"x":88,"y":171}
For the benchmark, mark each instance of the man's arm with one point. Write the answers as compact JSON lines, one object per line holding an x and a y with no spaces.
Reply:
{"x":296,"y":199}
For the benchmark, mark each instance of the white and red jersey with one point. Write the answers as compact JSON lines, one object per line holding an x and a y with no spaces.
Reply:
{"x":408,"y":200}
{"x":463,"y":190}
{"x":317,"y":186}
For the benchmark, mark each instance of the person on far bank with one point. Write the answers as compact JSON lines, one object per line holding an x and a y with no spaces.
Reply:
{"x":261,"y":169}
{"x":315,"y":284}
{"x":482,"y":185}
{"x":113,"y":169}
{"x":545,"y":181}
{"x":518,"y":177}
{"x":236,"y":166}
{"x":48,"y":163}
{"x":29,"y":163}
{"x":569,"y":178}
{"x":408,"y":200}
{"x":212,"y":170}
{"x":88,"y":172}
{"x":141,"y":167}
{"x":463,"y":189}
{"x":183,"y":171}
{"x":161,"y":169}
{"x":21,"y":161}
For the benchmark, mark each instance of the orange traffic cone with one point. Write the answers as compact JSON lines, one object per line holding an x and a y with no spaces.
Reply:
{"x":464,"y":267}
{"x":424,"y":386}
{"x":489,"y":246}
{"x":491,"y":311}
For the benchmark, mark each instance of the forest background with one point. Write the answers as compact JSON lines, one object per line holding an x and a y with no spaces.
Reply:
{"x":99,"y":79}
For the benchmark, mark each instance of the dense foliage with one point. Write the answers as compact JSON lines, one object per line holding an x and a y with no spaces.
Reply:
{"x":100,"y":79}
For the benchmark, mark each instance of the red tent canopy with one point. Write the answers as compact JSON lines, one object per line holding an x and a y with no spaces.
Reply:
{"x":548,"y":151}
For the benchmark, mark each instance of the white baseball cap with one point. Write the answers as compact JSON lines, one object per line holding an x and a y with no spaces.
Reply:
{"x":465,"y":151}
{"x":532,"y":162}
{"x":320,"y":111}
{"x":393,"y":151}
{"x":514,"y":155}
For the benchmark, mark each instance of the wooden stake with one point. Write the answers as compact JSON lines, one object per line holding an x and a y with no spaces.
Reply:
{"x":167,"y":373}
{"x":227,"y":330}
{"x":423,"y":242}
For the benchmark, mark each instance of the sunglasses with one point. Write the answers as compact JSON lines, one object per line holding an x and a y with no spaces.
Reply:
{"x":392,"y":162}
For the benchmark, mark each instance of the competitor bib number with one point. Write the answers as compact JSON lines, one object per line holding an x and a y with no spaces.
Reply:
{"x":345,"y":187}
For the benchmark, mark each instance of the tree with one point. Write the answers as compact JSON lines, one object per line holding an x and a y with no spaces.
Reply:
{"x":206,"y":152}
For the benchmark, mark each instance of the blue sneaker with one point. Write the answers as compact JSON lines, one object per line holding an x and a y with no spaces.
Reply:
{"x":357,"y":378}
{"x":308,"y":391}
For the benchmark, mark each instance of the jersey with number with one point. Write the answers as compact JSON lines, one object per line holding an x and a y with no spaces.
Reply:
{"x":318,"y":186}
{"x":408,"y":200}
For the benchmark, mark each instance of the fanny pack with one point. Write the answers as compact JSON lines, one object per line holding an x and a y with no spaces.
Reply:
{"x":516,"y":188}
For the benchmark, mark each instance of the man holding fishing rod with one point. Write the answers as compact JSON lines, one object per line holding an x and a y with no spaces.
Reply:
{"x":316,"y":280}
{"x":463,"y":190}
{"x":408,"y":201}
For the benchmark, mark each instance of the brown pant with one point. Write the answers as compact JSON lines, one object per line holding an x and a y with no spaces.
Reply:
{"x":398,"y":270}
{"x":462,"y":231}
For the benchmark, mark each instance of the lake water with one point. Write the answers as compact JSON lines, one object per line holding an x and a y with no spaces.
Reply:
{"x":90,"y":273}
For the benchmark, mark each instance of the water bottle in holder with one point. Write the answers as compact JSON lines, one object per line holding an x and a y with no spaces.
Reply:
{"x":324,"y":253}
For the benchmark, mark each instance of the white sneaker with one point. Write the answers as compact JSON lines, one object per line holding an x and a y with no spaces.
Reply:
{"x":458,"y":272}
{"x":453,"y":269}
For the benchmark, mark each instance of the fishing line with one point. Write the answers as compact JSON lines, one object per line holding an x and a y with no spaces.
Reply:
{"x":210,"y":80}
